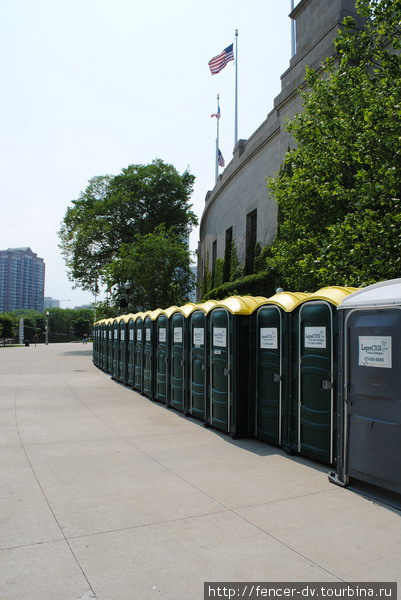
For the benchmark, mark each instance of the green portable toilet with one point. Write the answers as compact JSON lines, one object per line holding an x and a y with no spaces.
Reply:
{"x":149,"y":353}
{"x":110,"y":344}
{"x":313,"y":407}
{"x":370,"y":407}
{"x":198,"y":371}
{"x":138,"y":352}
{"x":270,"y":366}
{"x":123,"y":349}
{"x":130,"y":350}
{"x":179,"y":356}
{"x":116,"y":347}
{"x":103,"y":345}
{"x":98,"y":343}
{"x":162,"y":369}
{"x":95,"y":346}
{"x":229,"y":364}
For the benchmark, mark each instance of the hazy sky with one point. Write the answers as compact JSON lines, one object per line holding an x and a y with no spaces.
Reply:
{"x":91,"y":86}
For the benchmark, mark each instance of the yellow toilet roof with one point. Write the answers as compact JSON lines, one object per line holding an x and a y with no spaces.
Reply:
{"x":238,"y":305}
{"x":334,"y":294}
{"x":285,"y":300}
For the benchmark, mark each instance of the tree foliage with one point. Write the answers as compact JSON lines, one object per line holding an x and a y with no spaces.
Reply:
{"x":109,"y":215}
{"x":158,"y":265}
{"x":8,"y":325}
{"x":339,"y":190}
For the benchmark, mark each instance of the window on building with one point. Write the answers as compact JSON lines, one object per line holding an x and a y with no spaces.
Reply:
{"x":214,"y":258}
{"x":251,"y":231}
{"x":227,"y":254}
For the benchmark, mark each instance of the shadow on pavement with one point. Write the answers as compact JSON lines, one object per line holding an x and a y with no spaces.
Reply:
{"x":77,"y":352}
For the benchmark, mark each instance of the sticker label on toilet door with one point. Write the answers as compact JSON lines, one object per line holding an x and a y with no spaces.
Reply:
{"x":269,"y":338}
{"x":315,"y":337}
{"x":375,"y":351}
{"x":199,"y":336}
{"x":220,"y":336}
{"x":178,"y":335}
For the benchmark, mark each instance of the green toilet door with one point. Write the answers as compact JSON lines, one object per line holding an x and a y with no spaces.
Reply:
{"x":315,"y":381}
{"x":104,"y":347}
{"x":220,"y":369}
{"x":122,"y":376}
{"x":131,"y":353}
{"x":177,"y":361}
{"x":198,"y":365}
{"x":161,"y":359}
{"x":110,"y":349}
{"x":147,"y":357}
{"x":138,"y":354}
{"x":116,"y":350}
{"x":269,"y":375}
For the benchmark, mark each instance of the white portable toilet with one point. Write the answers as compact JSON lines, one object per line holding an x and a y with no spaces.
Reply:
{"x":370,"y":396}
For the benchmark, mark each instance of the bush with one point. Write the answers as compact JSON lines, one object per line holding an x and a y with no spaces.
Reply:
{"x":259,"y":284}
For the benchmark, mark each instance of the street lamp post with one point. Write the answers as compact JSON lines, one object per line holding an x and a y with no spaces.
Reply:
{"x":47,"y":327}
{"x":127,"y":287}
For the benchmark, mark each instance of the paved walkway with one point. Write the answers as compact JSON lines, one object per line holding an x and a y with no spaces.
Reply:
{"x":106,"y":495}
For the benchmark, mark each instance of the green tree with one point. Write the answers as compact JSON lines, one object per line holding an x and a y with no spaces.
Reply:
{"x":82,"y":326}
{"x":34,"y":322}
{"x":8,"y":325}
{"x":339,"y":190}
{"x":158,"y":265}
{"x":113,"y":210}
{"x":61,"y":320}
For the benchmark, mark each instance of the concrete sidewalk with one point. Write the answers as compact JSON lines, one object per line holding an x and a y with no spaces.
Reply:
{"x":104,"y":494}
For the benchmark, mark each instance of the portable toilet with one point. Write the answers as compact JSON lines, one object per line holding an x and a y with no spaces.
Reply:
{"x":313,"y":403}
{"x":138,"y":351}
{"x":162,"y":368}
{"x":229,"y":364}
{"x":370,"y":416}
{"x":179,"y":356}
{"x":198,"y":371}
{"x":115,"y":345}
{"x":130,"y":349}
{"x":270,"y":366}
{"x":123,"y":349}
{"x":98,"y":343}
{"x":95,"y":347}
{"x":149,"y":352}
{"x":104,"y":348}
{"x":110,"y":344}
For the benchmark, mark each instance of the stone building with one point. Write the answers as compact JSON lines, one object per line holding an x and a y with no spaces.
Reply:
{"x":239,"y":210}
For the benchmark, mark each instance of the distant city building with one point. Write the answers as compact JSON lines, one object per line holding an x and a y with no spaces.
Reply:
{"x":22,"y":280}
{"x":192,"y":295}
{"x":83,"y":306}
{"x":51,"y":302}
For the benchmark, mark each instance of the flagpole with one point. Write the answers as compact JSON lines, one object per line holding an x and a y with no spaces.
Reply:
{"x":217,"y":139}
{"x":293,"y":49}
{"x":236,"y":89}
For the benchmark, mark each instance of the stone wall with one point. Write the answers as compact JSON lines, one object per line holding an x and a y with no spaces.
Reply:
{"x":241,"y":188}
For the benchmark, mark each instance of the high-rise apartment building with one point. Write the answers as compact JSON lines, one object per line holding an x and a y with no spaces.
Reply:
{"x":22,"y":280}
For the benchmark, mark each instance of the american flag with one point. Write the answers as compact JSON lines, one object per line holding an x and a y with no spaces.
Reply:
{"x":217,"y":115}
{"x":218,"y":63}
{"x":220,"y":159}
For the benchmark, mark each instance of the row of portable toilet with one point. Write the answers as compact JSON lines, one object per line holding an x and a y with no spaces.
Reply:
{"x":265,"y":367}
{"x":317,"y":374}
